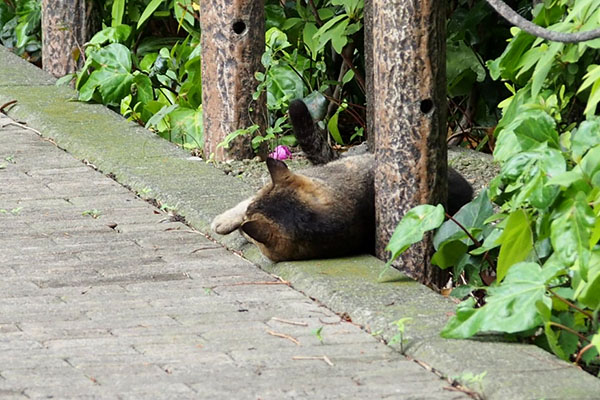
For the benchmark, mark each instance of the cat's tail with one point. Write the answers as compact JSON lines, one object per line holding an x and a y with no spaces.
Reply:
{"x":312,"y":141}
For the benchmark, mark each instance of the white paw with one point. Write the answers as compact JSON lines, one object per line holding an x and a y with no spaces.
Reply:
{"x":226,"y":223}
{"x":231,"y":219}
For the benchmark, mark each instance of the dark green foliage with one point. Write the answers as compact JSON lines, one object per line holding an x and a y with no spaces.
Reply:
{"x":146,"y":63}
{"x":20,"y":22}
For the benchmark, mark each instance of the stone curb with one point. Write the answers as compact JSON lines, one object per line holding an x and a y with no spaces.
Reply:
{"x":155,"y":168}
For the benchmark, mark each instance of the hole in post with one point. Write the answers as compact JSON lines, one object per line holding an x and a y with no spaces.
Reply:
{"x":239,"y":27}
{"x":426,"y":106}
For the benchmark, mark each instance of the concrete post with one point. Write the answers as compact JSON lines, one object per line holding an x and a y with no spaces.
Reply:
{"x":233,"y":40}
{"x":66,"y":26}
{"x":408,"y":114}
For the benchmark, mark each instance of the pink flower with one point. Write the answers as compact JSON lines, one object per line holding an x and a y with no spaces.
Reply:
{"x":281,"y":153}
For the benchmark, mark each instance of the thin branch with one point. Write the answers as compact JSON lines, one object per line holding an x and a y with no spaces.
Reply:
{"x":514,"y":18}
{"x":567,"y":302}
{"x":284,"y":336}
{"x":324,"y":358}
{"x":359,"y":78}
{"x":23,"y":126}
{"x":8,"y":103}
{"x":566,"y":328}
{"x":313,"y":8}
{"x":286,"y":321}
{"x":349,"y":110}
{"x":475,"y":241}
{"x":282,"y":282}
{"x":582,"y":351}
{"x":192,"y":13}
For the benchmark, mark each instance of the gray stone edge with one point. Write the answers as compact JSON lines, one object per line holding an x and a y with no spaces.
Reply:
{"x":350,"y":286}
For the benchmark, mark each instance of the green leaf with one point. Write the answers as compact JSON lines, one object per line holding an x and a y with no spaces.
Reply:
{"x":112,"y":79}
{"x":283,"y":83}
{"x":590,"y":163}
{"x":413,"y":226}
{"x":462,"y":291}
{"x":570,"y":231}
{"x":529,"y":129}
{"x":65,"y":80}
{"x":510,"y":307}
{"x":516,"y":242}
{"x":592,"y":75}
{"x":543,"y":67}
{"x":596,"y":341}
{"x":148,"y":11}
{"x":567,"y":178}
{"x":308,"y":35}
{"x":159,"y":115}
{"x":589,"y":291}
{"x":506,"y":66}
{"x":332,"y":127}
{"x":182,"y":12}
{"x":115,"y":57}
{"x":593,"y":100}
{"x":186,"y":127}
{"x":338,"y":36}
{"x":348,"y":76}
{"x":335,"y":34}
{"x":317,"y":105}
{"x":449,"y":253}
{"x":463,"y":69}
{"x":585,"y":137}
{"x":276,"y":40}
{"x":118,"y":9}
{"x":111,"y":84}
{"x":145,"y":93}
{"x":112,"y":34}
{"x":471,"y":216}
{"x":552,"y":338}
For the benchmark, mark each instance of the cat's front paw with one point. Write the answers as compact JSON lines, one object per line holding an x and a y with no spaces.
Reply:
{"x":225,"y":223}
{"x":231,"y":219}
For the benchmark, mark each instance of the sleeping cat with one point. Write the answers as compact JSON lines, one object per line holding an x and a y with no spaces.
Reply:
{"x":324,"y":211}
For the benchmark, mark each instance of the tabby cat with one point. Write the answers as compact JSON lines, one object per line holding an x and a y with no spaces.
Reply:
{"x":324,"y":211}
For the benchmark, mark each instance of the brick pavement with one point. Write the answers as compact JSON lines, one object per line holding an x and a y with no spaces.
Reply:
{"x":105,"y":296}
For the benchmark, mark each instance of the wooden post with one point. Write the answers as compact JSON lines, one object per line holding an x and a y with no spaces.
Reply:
{"x":408,"y":111}
{"x":370,"y":93}
{"x":66,"y":26}
{"x":233,"y":40}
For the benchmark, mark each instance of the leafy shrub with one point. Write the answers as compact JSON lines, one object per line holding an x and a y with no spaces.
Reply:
{"x":540,"y":243}
{"x":20,"y":28}
{"x":312,"y":52}
{"x":154,"y":80}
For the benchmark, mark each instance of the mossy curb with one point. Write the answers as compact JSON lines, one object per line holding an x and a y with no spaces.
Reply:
{"x":350,"y":286}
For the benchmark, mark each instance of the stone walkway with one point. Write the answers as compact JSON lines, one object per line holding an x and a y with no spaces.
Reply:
{"x":105,"y":296}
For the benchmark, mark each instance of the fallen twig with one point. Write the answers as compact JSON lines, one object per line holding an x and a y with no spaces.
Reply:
{"x":284,"y":336}
{"x":285,"y":321}
{"x":324,"y":358}
{"x":331,"y":323}
{"x":253,"y":283}
{"x":8,"y":103}
{"x":20,"y":125}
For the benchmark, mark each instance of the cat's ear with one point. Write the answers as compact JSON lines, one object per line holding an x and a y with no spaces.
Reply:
{"x":278,"y":170}
{"x":258,"y":230}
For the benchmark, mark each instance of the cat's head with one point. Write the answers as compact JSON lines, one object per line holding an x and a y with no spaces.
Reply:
{"x":286,"y":219}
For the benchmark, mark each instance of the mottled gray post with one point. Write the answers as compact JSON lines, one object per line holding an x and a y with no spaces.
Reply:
{"x":66,"y":26}
{"x":370,"y":93}
{"x":233,"y":40}
{"x":408,"y":114}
